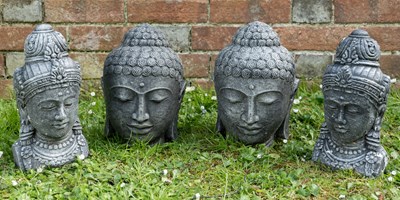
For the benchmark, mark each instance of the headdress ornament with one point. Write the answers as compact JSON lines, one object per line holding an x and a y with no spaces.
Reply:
{"x":356,"y":67}
{"x":47,"y":64}
{"x":144,"y":52}
{"x":256,"y":52}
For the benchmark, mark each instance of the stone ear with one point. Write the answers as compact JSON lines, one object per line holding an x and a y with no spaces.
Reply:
{"x":182,"y":91}
{"x":379,"y":117}
{"x":108,"y":129}
{"x":220,"y":127}
{"x":172,"y":132}
{"x":283,"y":130}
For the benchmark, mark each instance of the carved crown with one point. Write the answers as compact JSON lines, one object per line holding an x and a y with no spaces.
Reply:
{"x":47,"y":64}
{"x":256,"y":52}
{"x":144,"y":52}
{"x":356,"y":68}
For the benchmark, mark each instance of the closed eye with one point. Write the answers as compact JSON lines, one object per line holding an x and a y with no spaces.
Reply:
{"x":158,"y":95}
{"x":232,"y":96}
{"x":269,"y":98}
{"x":123,"y":94}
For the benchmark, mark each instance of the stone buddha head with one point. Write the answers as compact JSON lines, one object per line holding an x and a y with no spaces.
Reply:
{"x":355,"y":92}
{"x":47,"y":89}
{"x":255,"y":85}
{"x":143,"y":87}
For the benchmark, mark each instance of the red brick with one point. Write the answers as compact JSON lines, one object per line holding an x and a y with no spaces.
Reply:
{"x":84,"y":11}
{"x":6,"y":89}
{"x":321,"y":38}
{"x":211,"y":38}
{"x":390,"y":65}
{"x":167,"y":11}
{"x":91,"y":64}
{"x":195,"y":65}
{"x":367,"y":11}
{"x":2,"y":67}
{"x":243,"y":11}
{"x":13,"y":37}
{"x":388,"y":37}
{"x":90,"y":38}
{"x":203,"y":83}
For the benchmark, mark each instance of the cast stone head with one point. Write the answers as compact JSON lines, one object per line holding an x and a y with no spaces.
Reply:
{"x":47,"y":90}
{"x":143,"y":87}
{"x":355,"y":92}
{"x":255,"y":85}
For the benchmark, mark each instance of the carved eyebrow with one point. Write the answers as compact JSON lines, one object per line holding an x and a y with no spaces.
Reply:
{"x":262,"y":92}
{"x":137,"y":92}
{"x":55,"y":100}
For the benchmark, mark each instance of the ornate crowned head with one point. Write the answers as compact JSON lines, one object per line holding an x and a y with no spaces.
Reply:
{"x":143,"y":87}
{"x":355,"y":91}
{"x":49,"y":79}
{"x":255,"y":84}
{"x":47,"y":90}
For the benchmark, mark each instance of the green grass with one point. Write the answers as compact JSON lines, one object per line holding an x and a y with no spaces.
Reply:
{"x":201,"y":160}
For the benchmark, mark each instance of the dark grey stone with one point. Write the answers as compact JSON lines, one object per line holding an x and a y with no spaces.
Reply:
{"x":355,"y":92}
{"x":143,"y":87}
{"x":47,"y":89}
{"x":312,"y":11}
{"x":311,"y":66}
{"x":255,"y":85}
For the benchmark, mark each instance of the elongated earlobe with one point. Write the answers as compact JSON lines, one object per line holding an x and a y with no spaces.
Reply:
{"x":220,"y":127}
{"x":108,"y":129}
{"x":283,"y":131}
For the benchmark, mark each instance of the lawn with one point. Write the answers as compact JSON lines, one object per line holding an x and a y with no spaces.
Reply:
{"x":201,"y":163}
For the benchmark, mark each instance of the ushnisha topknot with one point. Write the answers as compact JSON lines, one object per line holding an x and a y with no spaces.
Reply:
{"x":356,"y":67}
{"x":47,"y":64}
{"x":256,"y":53}
{"x":144,"y":52}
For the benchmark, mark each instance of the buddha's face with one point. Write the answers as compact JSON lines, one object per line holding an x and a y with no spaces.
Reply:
{"x":348,"y":116}
{"x":253,"y":109}
{"x":141,"y":108}
{"x":53,"y":112}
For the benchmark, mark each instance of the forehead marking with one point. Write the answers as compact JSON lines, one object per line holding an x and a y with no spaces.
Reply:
{"x":251,"y":86}
{"x":141,"y":84}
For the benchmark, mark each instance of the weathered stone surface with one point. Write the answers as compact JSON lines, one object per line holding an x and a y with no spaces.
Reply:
{"x":84,"y":11}
{"x":319,"y":38}
{"x":96,"y":37}
{"x":177,"y":36}
{"x":13,"y":61}
{"x":195,"y":65}
{"x":211,"y":38}
{"x":167,"y":11}
{"x":362,"y":11}
{"x":312,"y":66}
{"x":22,"y":10}
{"x":390,"y":65}
{"x":91,"y":64}
{"x":242,"y":11}
{"x":312,"y":11}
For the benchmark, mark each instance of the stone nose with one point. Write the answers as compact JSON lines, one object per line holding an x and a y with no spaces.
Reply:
{"x":340,"y":117}
{"x":61,"y":115}
{"x":249,"y":115}
{"x":140,"y":114}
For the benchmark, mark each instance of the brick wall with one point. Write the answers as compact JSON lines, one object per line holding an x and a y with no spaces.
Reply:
{"x":198,"y":29}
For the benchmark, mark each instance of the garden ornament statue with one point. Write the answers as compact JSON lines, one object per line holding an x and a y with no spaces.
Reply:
{"x":355,"y":92}
{"x":143,"y":87}
{"x":47,"y":89}
{"x":255,"y":85}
